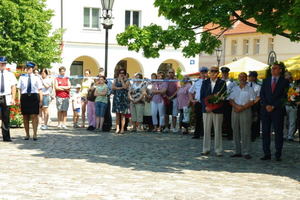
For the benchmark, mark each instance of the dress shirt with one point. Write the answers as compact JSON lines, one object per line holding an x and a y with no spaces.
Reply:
{"x":9,"y":80}
{"x":109,"y":84}
{"x":277,"y":78}
{"x":36,"y":83}
{"x":213,"y":83}
{"x":256,"y":87}
{"x":230,"y":84}
{"x":196,"y":87}
{"x":242,"y":96}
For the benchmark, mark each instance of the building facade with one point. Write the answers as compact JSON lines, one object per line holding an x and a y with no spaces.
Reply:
{"x":242,"y":40}
{"x":84,"y":38}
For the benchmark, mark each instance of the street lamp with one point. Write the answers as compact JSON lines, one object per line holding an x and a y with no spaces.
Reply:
{"x":107,"y":24}
{"x":219,"y":54}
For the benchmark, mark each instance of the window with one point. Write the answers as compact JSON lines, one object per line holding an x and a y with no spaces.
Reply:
{"x":271,"y":44}
{"x":131,"y":18}
{"x":233,"y":47}
{"x":246,"y":47}
{"x":256,"y":46}
{"x":91,"y":18}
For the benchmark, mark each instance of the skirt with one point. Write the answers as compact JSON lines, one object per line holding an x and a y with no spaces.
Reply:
{"x":30,"y":104}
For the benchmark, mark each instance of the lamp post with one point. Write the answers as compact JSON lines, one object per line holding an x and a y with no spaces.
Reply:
{"x":219,"y":54}
{"x":107,"y":24}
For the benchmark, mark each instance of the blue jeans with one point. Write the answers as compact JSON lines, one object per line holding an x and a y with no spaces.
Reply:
{"x":100,"y":108}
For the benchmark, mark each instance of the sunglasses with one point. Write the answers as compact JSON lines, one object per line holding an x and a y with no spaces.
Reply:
{"x":171,"y":72}
{"x":121,"y":73}
{"x":215,"y":71}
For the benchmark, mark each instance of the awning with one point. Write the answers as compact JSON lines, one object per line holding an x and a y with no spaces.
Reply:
{"x":293,"y":66}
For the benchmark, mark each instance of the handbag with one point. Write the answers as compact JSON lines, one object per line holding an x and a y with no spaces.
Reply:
{"x":165,"y":100}
{"x":186,"y":114}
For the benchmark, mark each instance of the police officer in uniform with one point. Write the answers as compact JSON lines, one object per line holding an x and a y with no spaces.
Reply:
{"x":7,"y":96}
{"x":30,"y":98}
{"x":227,"y":107}
{"x":196,"y":87}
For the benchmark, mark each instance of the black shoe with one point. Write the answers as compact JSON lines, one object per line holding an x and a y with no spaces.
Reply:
{"x":230,"y":138}
{"x":291,"y":139}
{"x":35,"y":139}
{"x":247,"y":156}
{"x":235,"y":155}
{"x":89,"y":128}
{"x":93,"y":128}
{"x":266,"y":158}
{"x":278,"y":159}
{"x":195,"y":137}
{"x":7,"y":140}
{"x":27,"y":138}
{"x":252,"y":140}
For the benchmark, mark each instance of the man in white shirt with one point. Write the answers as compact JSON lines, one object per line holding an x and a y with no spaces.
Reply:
{"x":241,"y":99}
{"x":196,"y":87}
{"x":7,"y":93}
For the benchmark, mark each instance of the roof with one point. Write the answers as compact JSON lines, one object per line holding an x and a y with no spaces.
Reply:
{"x":237,"y":28}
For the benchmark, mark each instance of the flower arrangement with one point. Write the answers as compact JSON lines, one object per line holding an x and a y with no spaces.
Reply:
{"x":16,"y":117}
{"x":216,"y":101}
{"x":293,"y":96}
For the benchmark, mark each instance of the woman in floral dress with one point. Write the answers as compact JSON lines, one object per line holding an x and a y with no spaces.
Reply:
{"x":120,"y":100}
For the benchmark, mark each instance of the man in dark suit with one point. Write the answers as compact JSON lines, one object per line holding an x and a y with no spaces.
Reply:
{"x":212,"y":86}
{"x":272,"y":92}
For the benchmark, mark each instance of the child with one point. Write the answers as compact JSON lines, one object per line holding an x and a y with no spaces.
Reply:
{"x":100,"y":102}
{"x":76,"y":104}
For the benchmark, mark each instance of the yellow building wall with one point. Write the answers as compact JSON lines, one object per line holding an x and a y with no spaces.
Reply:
{"x":133,"y":67}
{"x":174,"y":63}
{"x":88,"y":63}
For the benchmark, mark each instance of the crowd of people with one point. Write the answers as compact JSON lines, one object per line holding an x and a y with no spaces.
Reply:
{"x":152,"y":102}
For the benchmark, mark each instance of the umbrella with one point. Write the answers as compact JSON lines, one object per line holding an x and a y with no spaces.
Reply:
{"x":247,"y":64}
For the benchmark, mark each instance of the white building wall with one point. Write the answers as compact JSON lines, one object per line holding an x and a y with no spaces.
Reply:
{"x":79,"y":41}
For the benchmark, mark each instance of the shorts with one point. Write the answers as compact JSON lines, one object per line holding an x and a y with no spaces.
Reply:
{"x":46,"y":101}
{"x":100,"y":108}
{"x":62,"y":104}
{"x":77,"y":110}
{"x":83,"y":99}
{"x":174,"y":109}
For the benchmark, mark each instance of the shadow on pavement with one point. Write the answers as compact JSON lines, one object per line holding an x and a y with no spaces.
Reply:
{"x":158,"y":152}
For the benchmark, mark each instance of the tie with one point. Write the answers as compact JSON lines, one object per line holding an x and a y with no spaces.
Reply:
{"x":251,"y":84}
{"x":273,"y":84}
{"x":29,"y":85}
{"x":2,"y":83}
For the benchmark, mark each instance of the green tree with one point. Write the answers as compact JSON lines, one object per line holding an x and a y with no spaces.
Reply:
{"x":25,"y":33}
{"x":179,"y":75}
{"x":276,"y":17}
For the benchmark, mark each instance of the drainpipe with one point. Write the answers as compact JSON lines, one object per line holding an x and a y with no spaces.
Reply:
{"x":62,"y":19}
{"x":224,"y":47}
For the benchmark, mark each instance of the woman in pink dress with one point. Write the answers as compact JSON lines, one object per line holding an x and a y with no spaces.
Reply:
{"x":183,"y":100}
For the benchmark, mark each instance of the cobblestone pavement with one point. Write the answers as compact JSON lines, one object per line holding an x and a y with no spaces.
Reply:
{"x":79,"y":164}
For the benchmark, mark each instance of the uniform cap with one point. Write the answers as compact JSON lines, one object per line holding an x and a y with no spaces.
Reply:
{"x":225,"y":69}
{"x":203,"y":69}
{"x":29,"y":64}
{"x":3,"y":59}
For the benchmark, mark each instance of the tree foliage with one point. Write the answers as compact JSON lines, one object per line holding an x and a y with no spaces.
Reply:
{"x":276,"y":17}
{"x":25,"y":32}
